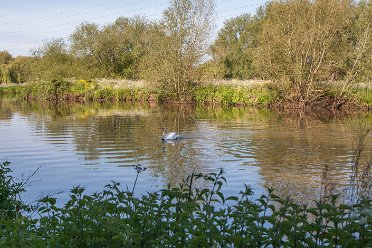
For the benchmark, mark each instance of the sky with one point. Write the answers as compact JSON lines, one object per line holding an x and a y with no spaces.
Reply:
{"x":27,"y":24}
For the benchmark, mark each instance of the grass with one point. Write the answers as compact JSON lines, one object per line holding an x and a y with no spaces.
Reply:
{"x":80,"y":90}
{"x":226,"y":93}
{"x":361,"y":96}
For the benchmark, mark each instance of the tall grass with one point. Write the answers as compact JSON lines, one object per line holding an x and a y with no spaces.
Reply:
{"x":79,"y":90}
{"x":263,"y":94}
{"x":224,"y":93}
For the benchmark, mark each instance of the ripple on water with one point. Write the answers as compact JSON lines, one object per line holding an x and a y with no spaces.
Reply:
{"x":90,"y":150}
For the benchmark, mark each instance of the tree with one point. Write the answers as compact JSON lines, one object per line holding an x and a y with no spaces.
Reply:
{"x":20,"y":69}
{"x":179,"y":43}
{"x":5,"y":57}
{"x":53,"y":61}
{"x":303,"y":43}
{"x":232,"y":51}
{"x":84,"y":48}
{"x":359,"y":63}
{"x":113,"y":50}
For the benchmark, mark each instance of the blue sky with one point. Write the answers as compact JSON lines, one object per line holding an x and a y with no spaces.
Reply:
{"x":26,"y":24}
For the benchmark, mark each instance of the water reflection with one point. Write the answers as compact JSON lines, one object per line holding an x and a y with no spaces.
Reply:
{"x":91,"y":144}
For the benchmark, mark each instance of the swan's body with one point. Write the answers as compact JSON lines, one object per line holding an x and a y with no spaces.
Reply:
{"x":170,"y":136}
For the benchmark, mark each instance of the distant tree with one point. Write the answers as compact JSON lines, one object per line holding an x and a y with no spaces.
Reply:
{"x":84,"y":47}
{"x":20,"y":69}
{"x":232,"y":51}
{"x":113,"y":50}
{"x":5,"y":57}
{"x":4,"y":74}
{"x":179,"y":43}
{"x":53,"y":61}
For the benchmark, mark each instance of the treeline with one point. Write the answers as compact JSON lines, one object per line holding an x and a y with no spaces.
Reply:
{"x":298,"y":44}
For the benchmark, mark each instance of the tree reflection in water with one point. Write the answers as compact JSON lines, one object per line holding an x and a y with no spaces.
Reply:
{"x":292,"y":151}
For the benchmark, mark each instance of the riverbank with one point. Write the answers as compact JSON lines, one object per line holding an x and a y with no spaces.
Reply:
{"x":257,"y":93}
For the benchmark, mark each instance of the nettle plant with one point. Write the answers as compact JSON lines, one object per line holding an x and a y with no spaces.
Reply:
{"x":194,"y":214}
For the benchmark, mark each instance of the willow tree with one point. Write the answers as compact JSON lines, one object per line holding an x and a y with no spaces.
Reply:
{"x":178,"y":44}
{"x":358,"y":67}
{"x":303,"y":43}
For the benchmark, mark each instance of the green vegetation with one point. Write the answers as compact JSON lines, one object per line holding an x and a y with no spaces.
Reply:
{"x":255,"y":95}
{"x":226,"y":93}
{"x":299,"y":45}
{"x":80,"y":90}
{"x":362,"y":96}
{"x":85,"y":90}
{"x":184,"y":216}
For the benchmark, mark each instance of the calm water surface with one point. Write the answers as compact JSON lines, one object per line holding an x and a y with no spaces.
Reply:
{"x":93,"y":144}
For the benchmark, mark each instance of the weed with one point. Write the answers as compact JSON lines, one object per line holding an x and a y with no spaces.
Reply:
{"x":185,"y":216}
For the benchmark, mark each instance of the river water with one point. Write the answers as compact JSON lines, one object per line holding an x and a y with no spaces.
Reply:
{"x":93,"y":144}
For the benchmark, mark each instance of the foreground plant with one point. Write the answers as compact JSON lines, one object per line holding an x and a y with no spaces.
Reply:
{"x":186,"y":216}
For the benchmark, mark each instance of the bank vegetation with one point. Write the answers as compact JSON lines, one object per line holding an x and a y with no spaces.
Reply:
{"x":314,"y":53}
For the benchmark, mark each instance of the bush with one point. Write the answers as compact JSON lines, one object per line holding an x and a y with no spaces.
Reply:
{"x":51,"y":90}
{"x":83,"y":87}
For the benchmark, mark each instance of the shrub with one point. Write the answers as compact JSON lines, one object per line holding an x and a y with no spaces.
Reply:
{"x":52,"y":90}
{"x":83,"y":87}
{"x":10,"y":190}
{"x":188,"y":216}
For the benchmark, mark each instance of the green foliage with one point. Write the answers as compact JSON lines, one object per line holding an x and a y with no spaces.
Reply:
{"x":10,"y":190}
{"x":51,"y":90}
{"x":233,"y":95}
{"x":112,"y":51}
{"x":20,"y":91}
{"x":188,"y":216}
{"x":361,"y":36}
{"x":14,"y":70}
{"x":20,"y":69}
{"x":5,"y":57}
{"x":304,"y":43}
{"x":297,"y":44}
{"x":178,"y":44}
{"x":232,"y":51}
{"x":361,"y":96}
{"x":53,"y":62}
{"x":79,"y":90}
{"x":83,"y":87}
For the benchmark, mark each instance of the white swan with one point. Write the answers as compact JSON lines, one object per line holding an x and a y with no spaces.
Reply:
{"x":169,"y":136}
